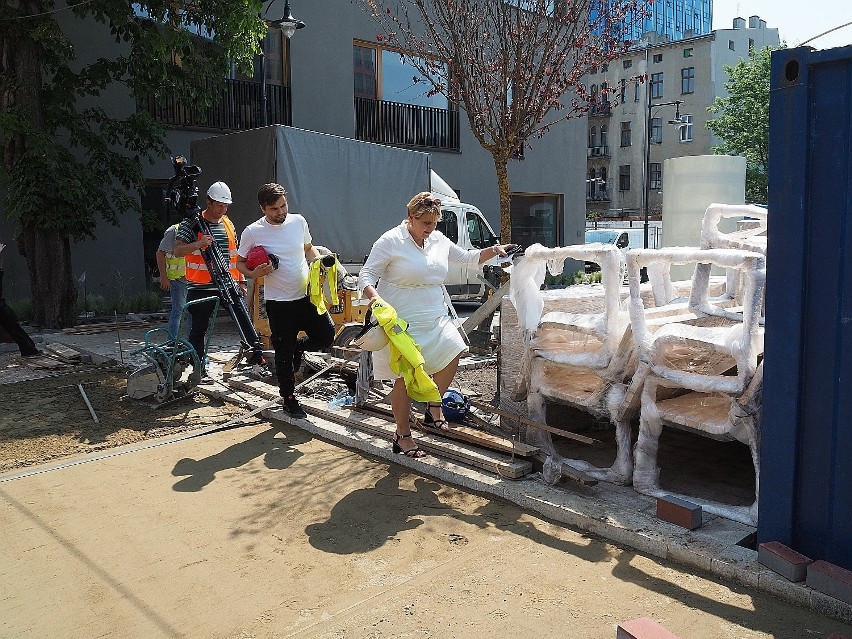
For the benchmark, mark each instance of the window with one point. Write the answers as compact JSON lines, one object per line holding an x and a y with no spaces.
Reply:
{"x":750,"y":44}
{"x":593,"y":136}
{"x":536,"y":218}
{"x":656,"y":85}
{"x":603,"y":138}
{"x":381,"y":74}
{"x":656,"y":131}
{"x":687,"y":53}
{"x":627,"y":64}
{"x":590,"y":184}
{"x":655,"y":175}
{"x":658,"y":57}
{"x":622,"y":89}
{"x":636,"y":91}
{"x":686,"y":131}
{"x":731,"y":45}
{"x":478,"y":233}
{"x":625,"y":134}
{"x":624,"y":177}
{"x":364,"y":67}
{"x":602,"y":180}
{"x":448,"y":225}
{"x":605,"y":68}
{"x":687,"y":80}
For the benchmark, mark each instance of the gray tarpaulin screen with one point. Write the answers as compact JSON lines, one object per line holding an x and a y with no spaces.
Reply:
{"x":349,"y":191}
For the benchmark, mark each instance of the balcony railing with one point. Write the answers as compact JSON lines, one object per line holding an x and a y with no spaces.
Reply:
{"x":406,"y":124}
{"x":598,"y":196}
{"x":597,"y":151}
{"x":237,"y":107}
{"x":600,"y":110}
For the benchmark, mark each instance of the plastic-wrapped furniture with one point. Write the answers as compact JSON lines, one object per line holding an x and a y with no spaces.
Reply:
{"x":574,"y":358}
{"x":713,"y":370}
{"x":750,"y":237}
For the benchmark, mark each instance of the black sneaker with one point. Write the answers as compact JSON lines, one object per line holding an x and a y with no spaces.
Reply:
{"x":292,"y":408}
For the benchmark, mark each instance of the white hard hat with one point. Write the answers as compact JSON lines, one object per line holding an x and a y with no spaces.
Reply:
{"x":219,"y":192}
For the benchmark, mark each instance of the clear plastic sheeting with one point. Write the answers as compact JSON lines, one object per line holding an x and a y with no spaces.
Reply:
{"x":571,"y":356}
{"x":715,"y":362}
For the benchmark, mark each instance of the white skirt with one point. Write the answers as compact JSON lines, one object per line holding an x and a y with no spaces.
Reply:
{"x":429,"y":324}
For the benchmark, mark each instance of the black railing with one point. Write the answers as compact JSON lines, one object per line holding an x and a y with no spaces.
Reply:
{"x":237,"y":107}
{"x":600,"y":110}
{"x":406,"y":124}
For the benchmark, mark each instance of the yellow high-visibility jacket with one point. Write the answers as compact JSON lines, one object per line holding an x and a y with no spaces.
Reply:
{"x":405,"y":356}
{"x":315,"y":289}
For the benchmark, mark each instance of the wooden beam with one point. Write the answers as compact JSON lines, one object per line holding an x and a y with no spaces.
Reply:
{"x":526,"y":421}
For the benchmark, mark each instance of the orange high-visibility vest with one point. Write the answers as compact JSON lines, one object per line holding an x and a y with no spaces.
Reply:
{"x":196,"y":269}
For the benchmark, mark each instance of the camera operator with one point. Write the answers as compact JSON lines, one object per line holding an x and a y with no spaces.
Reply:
{"x":286,"y":241}
{"x":189,"y":242}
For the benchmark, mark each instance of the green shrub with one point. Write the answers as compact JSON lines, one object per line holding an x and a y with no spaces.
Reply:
{"x":23,"y":309}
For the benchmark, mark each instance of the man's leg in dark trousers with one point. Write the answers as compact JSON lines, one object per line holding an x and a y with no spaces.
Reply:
{"x":319,"y":334}
{"x":200,"y":314}
{"x":286,"y":319}
{"x":9,"y":321}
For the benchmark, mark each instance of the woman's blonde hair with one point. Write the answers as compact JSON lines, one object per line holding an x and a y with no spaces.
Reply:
{"x":423,"y":203}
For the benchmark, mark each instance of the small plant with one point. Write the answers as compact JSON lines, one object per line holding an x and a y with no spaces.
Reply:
{"x":580,"y":277}
{"x":23,"y":309}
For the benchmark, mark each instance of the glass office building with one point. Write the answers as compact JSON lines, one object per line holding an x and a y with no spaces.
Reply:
{"x":672,"y":19}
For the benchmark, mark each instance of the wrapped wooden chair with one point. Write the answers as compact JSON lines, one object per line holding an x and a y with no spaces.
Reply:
{"x":575,"y":358}
{"x":710,"y":372}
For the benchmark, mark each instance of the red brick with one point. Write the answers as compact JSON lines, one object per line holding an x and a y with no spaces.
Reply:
{"x":785,"y":561}
{"x":679,"y":512}
{"x":832,"y":580}
{"x":643,"y":628}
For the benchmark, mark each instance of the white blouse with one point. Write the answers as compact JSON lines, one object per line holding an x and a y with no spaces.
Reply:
{"x":410,"y":279}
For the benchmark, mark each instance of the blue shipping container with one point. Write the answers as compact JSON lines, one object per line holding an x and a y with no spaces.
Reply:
{"x":806,"y":439}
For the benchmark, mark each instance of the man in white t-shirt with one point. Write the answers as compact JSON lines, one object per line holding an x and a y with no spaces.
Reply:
{"x":286,"y":236}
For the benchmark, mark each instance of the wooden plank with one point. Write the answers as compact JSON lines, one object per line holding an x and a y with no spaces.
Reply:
{"x":526,"y":421}
{"x":463,"y":433}
{"x":439,"y":446}
{"x":486,"y":460}
{"x":62,"y":352}
{"x":486,"y":308}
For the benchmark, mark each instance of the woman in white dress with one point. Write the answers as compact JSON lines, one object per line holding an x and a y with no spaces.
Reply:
{"x":410,"y":263}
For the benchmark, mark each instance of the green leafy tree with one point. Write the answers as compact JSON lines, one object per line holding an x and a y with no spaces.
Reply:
{"x":516,"y":67}
{"x":69,"y":159}
{"x":743,"y":122}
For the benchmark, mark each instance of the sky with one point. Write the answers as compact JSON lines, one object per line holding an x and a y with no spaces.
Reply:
{"x":796,"y":20}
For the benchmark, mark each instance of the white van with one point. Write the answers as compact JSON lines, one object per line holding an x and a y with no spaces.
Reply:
{"x":465,"y":225}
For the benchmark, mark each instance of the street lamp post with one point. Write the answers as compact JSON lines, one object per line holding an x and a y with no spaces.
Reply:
{"x":288,"y":25}
{"x":647,"y":169}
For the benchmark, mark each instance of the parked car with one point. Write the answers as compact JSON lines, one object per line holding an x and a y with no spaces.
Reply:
{"x":619,"y":237}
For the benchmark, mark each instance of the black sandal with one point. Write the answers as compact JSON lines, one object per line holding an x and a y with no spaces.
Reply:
{"x":431,"y":422}
{"x":413,"y":453}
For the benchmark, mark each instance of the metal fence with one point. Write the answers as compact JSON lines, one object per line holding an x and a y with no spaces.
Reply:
{"x":237,"y":107}
{"x":406,"y":124}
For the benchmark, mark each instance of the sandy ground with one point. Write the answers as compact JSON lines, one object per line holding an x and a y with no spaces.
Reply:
{"x":263,"y":531}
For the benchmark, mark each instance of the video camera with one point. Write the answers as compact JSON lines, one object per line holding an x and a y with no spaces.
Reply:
{"x":182,"y":193}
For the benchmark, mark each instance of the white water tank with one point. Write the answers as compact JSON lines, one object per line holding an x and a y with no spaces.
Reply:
{"x":690,"y":185}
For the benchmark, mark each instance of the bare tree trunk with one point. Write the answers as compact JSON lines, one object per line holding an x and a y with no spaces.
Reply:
{"x":51,"y":277}
{"x":501,"y":165}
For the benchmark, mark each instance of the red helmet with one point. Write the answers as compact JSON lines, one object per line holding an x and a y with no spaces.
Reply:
{"x":256,"y":256}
